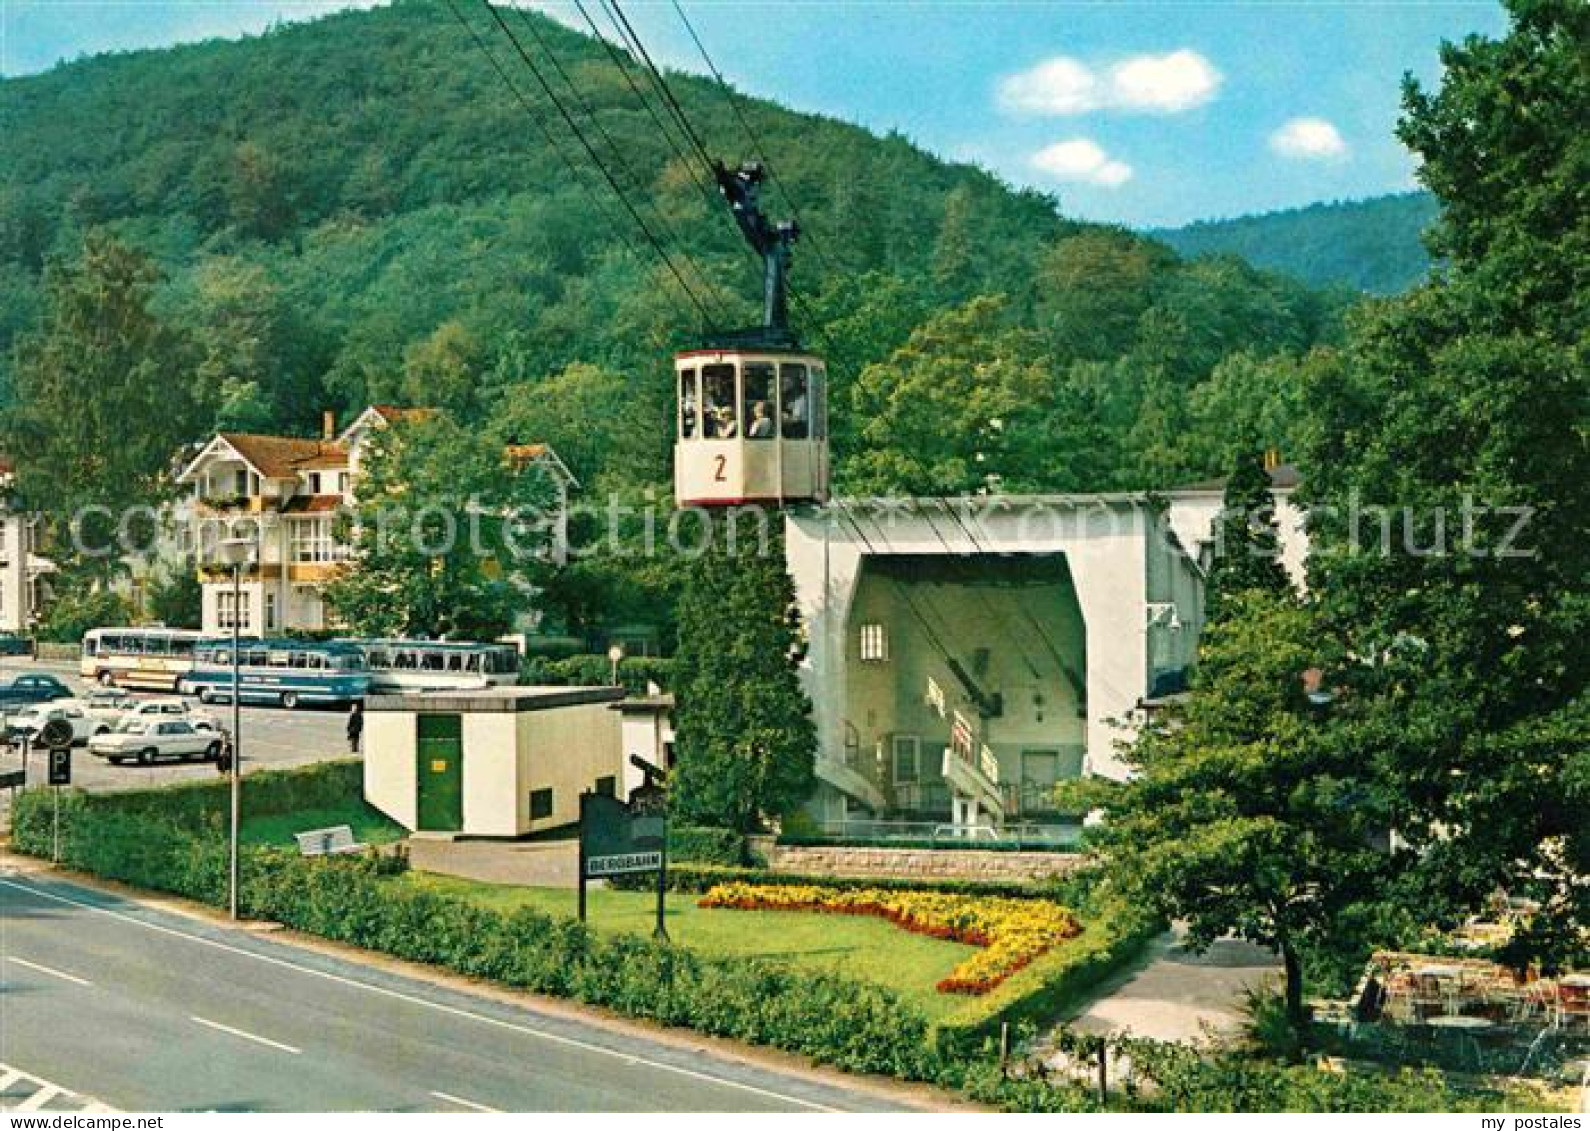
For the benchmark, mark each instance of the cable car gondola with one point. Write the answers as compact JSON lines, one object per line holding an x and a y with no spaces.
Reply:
{"x":751,"y":423}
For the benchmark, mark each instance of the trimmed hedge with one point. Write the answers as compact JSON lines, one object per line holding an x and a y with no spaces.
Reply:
{"x":699,"y":845}
{"x":634,"y":672}
{"x":324,"y":785}
{"x":697,"y":878}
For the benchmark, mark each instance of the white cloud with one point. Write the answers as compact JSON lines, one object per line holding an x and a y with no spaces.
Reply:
{"x":1081,"y":160}
{"x":1055,"y":86}
{"x":1309,"y":139}
{"x":1165,"y":84}
{"x":1155,"y":84}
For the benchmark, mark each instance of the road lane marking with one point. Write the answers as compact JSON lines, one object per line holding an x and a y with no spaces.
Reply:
{"x":50,"y":970}
{"x":445,"y":1098}
{"x":440,"y":1007}
{"x":39,"y":1092}
{"x":39,"y":1098}
{"x":246,"y":1035}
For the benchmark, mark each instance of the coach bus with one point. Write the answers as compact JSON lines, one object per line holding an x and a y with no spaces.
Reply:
{"x":438,"y":665}
{"x":154,"y":659}
{"x":285,"y":673}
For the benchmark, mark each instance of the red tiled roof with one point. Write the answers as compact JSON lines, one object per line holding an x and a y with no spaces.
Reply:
{"x":281,"y":457}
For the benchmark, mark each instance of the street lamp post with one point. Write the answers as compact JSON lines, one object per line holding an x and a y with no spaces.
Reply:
{"x":235,"y":552}
{"x":615,"y":653}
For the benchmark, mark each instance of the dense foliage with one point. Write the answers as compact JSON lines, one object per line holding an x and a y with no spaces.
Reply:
{"x":1450,"y":481}
{"x":744,"y":733}
{"x":1370,"y":245}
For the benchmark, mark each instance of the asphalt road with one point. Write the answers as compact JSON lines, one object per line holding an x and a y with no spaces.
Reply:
{"x":272,"y":738}
{"x":106,"y":1001}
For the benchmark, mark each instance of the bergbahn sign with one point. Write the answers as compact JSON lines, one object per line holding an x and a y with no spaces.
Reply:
{"x":619,"y":839}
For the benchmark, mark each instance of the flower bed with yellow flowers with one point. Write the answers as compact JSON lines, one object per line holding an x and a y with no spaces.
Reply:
{"x":1011,"y":932}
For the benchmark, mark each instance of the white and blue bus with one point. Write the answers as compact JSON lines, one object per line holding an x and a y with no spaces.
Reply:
{"x":279,"y":672}
{"x":437,"y":665}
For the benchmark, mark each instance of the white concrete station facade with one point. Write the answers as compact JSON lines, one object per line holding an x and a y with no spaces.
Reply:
{"x":965,"y":655}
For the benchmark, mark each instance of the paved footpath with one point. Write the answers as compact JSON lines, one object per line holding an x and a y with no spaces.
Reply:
{"x":145,"y":1010}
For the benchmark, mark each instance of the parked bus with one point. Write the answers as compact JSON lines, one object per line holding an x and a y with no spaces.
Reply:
{"x":437,"y":665}
{"x":285,"y":673}
{"x":151,"y":658}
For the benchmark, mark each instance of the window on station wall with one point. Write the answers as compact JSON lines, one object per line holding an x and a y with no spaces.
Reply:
{"x":819,"y":399}
{"x":796,"y":402}
{"x":540,"y":804}
{"x":607,"y":786}
{"x":874,"y":643}
{"x":718,"y":419}
{"x":760,"y":407}
{"x":689,"y":405}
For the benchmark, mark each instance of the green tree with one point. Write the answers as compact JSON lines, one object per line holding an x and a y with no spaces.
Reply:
{"x":611,"y":430}
{"x":176,"y":598}
{"x":78,"y":604}
{"x":1449,"y":474}
{"x":1247,"y":549}
{"x":103,"y":398}
{"x":964,"y":405}
{"x":444,"y":369}
{"x":1239,"y":818}
{"x":745,"y":736}
{"x":448,"y":536}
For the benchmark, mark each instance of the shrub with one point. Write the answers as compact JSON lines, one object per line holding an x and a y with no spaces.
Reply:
{"x":634,"y":672}
{"x":699,"y":845}
{"x":700,"y":878}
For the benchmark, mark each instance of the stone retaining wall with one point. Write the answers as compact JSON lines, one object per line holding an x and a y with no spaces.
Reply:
{"x":921,"y":863}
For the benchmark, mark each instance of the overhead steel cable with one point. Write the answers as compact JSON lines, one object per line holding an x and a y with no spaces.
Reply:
{"x":667,"y":131}
{"x":674,"y":107}
{"x":585,"y":107}
{"x":750,"y":132}
{"x":607,"y":175}
{"x":573,"y":166}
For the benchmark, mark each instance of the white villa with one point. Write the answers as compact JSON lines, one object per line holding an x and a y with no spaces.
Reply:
{"x":285,"y":493}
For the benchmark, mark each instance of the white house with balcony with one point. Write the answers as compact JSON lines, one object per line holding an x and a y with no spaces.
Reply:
{"x":284,"y":494}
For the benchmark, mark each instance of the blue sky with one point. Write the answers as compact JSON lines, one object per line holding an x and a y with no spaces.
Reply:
{"x":1143,"y":113}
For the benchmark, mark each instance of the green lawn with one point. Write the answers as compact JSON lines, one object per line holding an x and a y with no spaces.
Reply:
{"x":369,"y":825}
{"x":861,"y":947}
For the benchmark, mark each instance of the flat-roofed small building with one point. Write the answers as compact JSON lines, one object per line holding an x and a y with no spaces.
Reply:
{"x":494,"y":762}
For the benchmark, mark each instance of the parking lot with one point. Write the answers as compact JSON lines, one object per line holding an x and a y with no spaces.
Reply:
{"x":271,"y":738}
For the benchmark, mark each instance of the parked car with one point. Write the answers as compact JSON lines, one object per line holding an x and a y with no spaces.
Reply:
{"x":110,"y":706}
{"x":146,"y":740}
{"x":30,"y":720}
{"x":14,"y":645}
{"x":29,"y":688}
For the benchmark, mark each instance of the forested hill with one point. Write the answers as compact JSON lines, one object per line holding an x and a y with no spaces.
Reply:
{"x":1371,"y":245}
{"x":357,"y":209}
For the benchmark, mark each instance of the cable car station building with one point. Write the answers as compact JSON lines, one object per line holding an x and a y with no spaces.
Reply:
{"x":966,"y":654}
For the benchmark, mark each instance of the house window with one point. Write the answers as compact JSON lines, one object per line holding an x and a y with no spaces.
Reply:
{"x":540,"y":804}
{"x":232,"y":609}
{"x":907,"y":758}
{"x":313,"y":542}
{"x":270,"y":612}
{"x":240,"y":483}
{"x":314,"y":482}
{"x":874,"y":643}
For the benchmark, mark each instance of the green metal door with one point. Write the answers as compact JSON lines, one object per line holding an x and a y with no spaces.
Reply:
{"x":441,"y":773}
